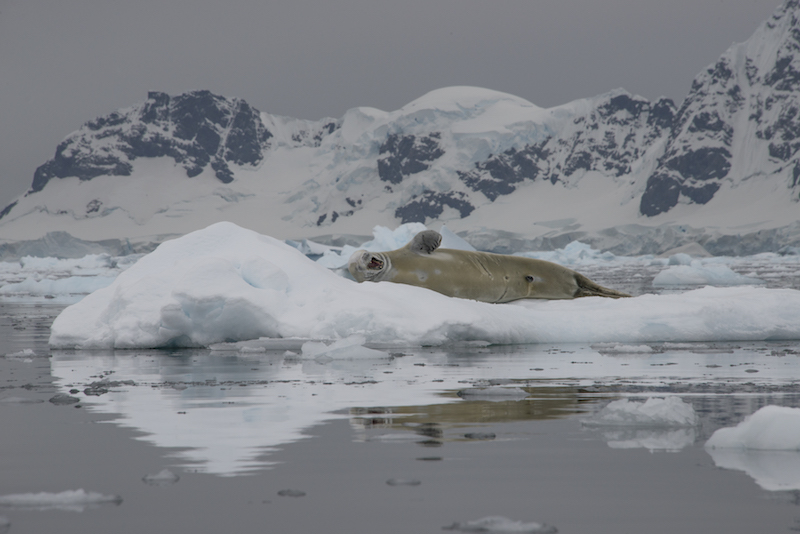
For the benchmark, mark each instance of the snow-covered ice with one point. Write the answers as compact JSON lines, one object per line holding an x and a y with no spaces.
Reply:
{"x":775,"y":428}
{"x":70,"y":500}
{"x":229,"y":284}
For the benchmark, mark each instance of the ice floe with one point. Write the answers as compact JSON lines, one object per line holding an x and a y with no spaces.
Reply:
{"x":775,"y":428}
{"x":653,"y":413}
{"x":229,"y":284}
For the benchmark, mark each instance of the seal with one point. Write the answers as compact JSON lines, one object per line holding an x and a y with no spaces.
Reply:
{"x":479,"y":276}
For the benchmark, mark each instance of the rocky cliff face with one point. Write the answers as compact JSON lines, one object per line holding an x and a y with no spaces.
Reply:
{"x":195,"y":129}
{"x":739,"y":120}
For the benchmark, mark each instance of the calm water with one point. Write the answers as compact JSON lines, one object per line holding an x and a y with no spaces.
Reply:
{"x":385,"y":446}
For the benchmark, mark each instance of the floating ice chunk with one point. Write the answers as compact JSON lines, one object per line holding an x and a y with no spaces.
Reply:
{"x":252,"y":350}
{"x":575,"y":253}
{"x":21,"y":355}
{"x":501,"y":525}
{"x":660,"y":413}
{"x":493,"y":393}
{"x":70,"y":500}
{"x":697,"y":273}
{"x":620,"y":348}
{"x":392,"y":438}
{"x":164,"y":477}
{"x":350,"y":348}
{"x":774,"y":428}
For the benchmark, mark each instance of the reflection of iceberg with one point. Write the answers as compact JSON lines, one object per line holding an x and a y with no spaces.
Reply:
{"x":671,"y":412}
{"x":219,"y":413}
{"x":655,"y":424}
{"x":652,"y":440}
{"x":223,"y":412}
{"x":766,"y":446}
{"x":772,"y":470}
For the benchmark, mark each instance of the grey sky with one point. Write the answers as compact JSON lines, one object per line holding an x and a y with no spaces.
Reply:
{"x":64,"y":62}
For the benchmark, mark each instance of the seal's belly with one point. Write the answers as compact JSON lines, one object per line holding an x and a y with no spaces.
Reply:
{"x":468,"y":277}
{"x":483,"y":276}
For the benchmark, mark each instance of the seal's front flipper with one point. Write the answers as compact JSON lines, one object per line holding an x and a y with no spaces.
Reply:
{"x":425,"y":242}
{"x":588,"y":288}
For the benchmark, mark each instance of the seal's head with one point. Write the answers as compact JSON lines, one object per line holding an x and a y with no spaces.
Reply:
{"x":368,"y":266}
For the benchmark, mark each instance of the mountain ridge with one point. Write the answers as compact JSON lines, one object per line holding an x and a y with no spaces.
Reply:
{"x":726,"y":162}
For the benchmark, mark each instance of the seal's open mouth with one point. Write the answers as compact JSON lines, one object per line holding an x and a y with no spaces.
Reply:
{"x":375,"y":264}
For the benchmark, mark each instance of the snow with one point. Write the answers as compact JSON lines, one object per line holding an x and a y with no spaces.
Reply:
{"x":228,"y":284}
{"x":70,"y":500}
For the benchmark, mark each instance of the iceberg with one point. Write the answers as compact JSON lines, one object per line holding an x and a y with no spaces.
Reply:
{"x":226,"y":284}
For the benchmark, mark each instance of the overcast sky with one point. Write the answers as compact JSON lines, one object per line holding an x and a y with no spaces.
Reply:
{"x":64,"y":62}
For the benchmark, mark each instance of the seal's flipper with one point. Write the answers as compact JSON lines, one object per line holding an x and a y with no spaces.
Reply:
{"x":425,"y":242}
{"x":588,"y":288}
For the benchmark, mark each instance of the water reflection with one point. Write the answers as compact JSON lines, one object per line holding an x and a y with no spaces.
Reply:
{"x":225,"y":412}
{"x":771,"y":470}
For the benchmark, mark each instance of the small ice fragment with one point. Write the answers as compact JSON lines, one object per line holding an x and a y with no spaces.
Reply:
{"x":621,"y":348}
{"x":70,"y":500}
{"x":483,"y":436}
{"x":61,"y":399}
{"x":21,"y":355}
{"x":20,"y":400}
{"x":671,"y":412}
{"x":501,"y":525}
{"x":162,"y":478}
{"x":497,"y":393}
{"x":252,"y":350}
{"x":291,"y":493}
{"x":403,"y":482}
{"x":394,"y":437}
{"x":350,"y":348}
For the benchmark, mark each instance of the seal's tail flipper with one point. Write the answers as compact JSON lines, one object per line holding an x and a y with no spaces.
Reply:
{"x":587,"y":288}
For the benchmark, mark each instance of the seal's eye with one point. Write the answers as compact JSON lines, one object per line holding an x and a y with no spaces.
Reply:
{"x":529,"y":279}
{"x":375,"y":263}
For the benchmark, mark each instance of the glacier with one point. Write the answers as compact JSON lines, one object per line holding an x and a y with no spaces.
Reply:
{"x":228,"y":284}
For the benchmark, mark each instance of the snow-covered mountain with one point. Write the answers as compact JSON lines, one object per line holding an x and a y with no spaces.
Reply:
{"x":617,"y":171}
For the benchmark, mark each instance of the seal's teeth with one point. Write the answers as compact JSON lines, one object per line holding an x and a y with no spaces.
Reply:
{"x":375,"y":263}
